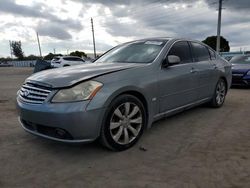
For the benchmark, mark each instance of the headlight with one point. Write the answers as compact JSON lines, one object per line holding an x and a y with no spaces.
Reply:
{"x":80,"y":92}
{"x":248,"y":73}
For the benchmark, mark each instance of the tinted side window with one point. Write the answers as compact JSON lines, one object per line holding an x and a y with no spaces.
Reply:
{"x":67,"y":58}
{"x":182,"y":50}
{"x":200,"y":52}
{"x":72,"y":59}
{"x":76,"y":59}
{"x":212,"y":54}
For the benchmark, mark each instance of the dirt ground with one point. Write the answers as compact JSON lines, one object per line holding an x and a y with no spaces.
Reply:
{"x":202,"y":147}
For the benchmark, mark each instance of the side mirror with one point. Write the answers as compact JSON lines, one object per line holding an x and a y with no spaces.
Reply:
{"x":173,"y":59}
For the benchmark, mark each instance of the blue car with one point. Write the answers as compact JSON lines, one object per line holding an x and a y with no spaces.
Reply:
{"x":241,"y":70}
{"x":123,"y":92}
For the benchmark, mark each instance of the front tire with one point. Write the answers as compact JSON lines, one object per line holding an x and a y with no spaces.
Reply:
{"x":123,"y":123}
{"x":219,"y":94}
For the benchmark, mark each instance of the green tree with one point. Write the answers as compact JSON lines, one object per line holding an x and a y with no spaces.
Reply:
{"x":78,"y":54}
{"x":31,"y":57}
{"x":211,"y":41}
{"x":16,"y":47}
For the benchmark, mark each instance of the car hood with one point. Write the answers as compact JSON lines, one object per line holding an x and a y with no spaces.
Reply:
{"x":68,"y":76}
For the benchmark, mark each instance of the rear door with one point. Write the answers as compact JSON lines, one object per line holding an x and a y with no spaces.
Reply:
{"x":178,"y":83}
{"x":205,"y":68}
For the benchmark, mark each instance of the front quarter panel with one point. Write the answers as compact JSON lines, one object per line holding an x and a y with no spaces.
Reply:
{"x":142,"y":80}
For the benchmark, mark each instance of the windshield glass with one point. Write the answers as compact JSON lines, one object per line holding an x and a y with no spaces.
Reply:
{"x":135,"y":52}
{"x":240,"y":60}
{"x":55,"y":59}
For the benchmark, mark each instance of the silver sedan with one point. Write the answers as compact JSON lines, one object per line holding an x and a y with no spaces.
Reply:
{"x":123,"y":92}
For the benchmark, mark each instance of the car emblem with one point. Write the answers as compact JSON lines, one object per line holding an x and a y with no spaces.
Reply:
{"x":26,"y":93}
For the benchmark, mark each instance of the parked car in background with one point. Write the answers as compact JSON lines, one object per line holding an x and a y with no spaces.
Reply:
{"x":241,"y":70}
{"x":119,"y":95}
{"x":64,"y":61}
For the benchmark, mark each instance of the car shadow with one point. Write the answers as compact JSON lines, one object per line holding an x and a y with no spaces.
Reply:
{"x":240,"y":87}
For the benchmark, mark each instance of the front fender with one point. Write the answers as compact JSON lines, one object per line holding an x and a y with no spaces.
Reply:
{"x":107,"y":94}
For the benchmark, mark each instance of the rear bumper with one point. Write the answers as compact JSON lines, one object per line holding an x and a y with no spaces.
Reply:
{"x":64,"y":122}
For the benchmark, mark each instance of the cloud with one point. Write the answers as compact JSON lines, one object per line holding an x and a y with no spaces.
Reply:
{"x":233,"y":5}
{"x":53,"y":30}
{"x":118,"y":21}
{"x":158,"y":20}
{"x":39,"y":10}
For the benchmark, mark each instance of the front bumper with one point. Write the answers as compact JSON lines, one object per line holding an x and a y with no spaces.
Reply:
{"x":55,"y":65}
{"x":241,"y":80}
{"x":64,"y":122}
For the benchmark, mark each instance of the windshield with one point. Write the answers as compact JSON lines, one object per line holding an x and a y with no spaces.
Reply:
{"x":136,"y":52}
{"x":240,"y":60}
{"x":55,"y":59}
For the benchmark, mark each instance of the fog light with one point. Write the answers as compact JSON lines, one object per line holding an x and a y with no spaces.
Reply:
{"x":60,"y":133}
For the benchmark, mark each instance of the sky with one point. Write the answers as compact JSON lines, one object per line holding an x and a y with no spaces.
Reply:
{"x":64,"y":25}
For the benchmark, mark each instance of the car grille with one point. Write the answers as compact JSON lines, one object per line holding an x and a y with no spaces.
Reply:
{"x":34,"y":93}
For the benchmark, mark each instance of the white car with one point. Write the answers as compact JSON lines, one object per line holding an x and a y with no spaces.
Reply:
{"x":63,"y":61}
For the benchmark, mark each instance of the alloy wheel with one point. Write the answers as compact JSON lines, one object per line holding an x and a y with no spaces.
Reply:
{"x":126,"y":123}
{"x":220,"y":92}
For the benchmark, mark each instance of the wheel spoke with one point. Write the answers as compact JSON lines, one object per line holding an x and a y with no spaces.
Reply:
{"x":135,"y":110}
{"x":219,"y":86}
{"x":118,"y":134}
{"x":137,"y":120}
{"x":218,"y":99}
{"x":118,"y":113}
{"x":126,"y":137}
{"x":114,"y":125}
{"x":127,"y":108}
{"x":133,"y":130}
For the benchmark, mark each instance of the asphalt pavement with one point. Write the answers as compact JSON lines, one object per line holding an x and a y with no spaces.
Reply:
{"x":202,"y":147}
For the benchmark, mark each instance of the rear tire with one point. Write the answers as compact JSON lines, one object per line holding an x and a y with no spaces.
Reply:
{"x":219,"y":94}
{"x":123,"y":123}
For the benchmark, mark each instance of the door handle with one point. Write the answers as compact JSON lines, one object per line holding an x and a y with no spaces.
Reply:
{"x":193,"y":70}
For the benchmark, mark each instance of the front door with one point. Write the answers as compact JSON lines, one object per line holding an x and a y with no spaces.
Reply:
{"x":178,"y":83}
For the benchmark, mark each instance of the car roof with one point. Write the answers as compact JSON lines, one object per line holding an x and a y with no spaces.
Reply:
{"x":167,"y":39}
{"x":71,"y":56}
{"x":66,"y":56}
{"x":154,"y":38}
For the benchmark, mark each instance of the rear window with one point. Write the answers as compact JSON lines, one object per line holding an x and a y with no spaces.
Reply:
{"x":56,"y":58}
{"x":200,"y":52}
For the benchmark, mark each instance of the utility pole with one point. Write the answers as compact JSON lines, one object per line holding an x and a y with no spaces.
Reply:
{"x":54,"y":51}
{"x":10,"y":49}
{"x":93,"y":35}
{"x":39,"y":44}
{"x":219,"y":27}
